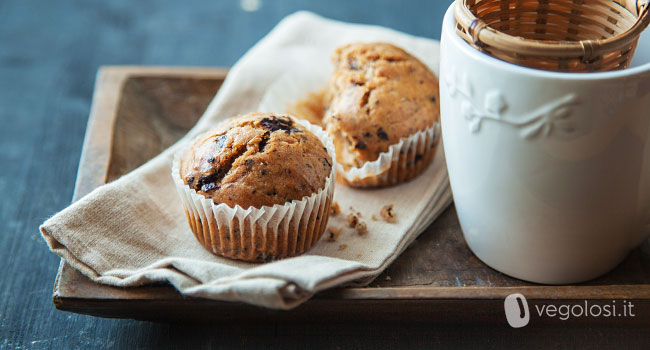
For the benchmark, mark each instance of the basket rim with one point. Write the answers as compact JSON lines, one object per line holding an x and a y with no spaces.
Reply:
{"x":450,"y":21}
{"x":483,"y":34}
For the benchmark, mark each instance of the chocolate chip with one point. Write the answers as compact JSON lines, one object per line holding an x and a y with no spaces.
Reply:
{"x":367,"y":134}
{"x":190,"y":179}
{"x":326,"y":162}
{"x":248,"y":162}
{"x":272,"y":193}
{"x":206,"y":179}
{"x":308,"y":165}
{"x":274,"y":124}
{"x":263,"y":171}
{"x":353,"y":64}
{"x":382,"y":134}
{"x":432,"y":99}
{"x":209,"y":186}
{"x":360,"y":145}
{"x":221,"y":140}
{"x":254,"y":191}
{"x":211,"y":160}
{"x":264,"y":141}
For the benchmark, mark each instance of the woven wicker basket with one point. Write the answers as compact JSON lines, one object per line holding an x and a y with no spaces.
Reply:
{"x":557,"y":35}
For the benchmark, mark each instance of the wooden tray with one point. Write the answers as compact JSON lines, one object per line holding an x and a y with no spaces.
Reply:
{"x":139,"y":111}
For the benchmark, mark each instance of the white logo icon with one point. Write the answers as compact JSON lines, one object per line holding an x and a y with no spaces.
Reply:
{"x":516,"y":308}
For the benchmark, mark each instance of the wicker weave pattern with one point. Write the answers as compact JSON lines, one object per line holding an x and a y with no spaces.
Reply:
{"x":557,"y":35}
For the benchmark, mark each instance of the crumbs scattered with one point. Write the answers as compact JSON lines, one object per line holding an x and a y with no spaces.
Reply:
{"x":388,"y":213}
{"x":374,"y":217}
{"x":388,"y":278}
{"x":355,"y":223}
{"x":334,"y":232}
{"x":353,"y":220}
{"x":362,"y":228}
{"x":359,"y":255}
{"x":335,"y":209}
{"x":343,"y":246}
{"x":354,"y":211}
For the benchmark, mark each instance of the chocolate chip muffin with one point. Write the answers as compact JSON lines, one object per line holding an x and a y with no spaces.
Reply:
{"x":269,"y":175}
{"x":256,"y":160}
{"x":378,"y":95}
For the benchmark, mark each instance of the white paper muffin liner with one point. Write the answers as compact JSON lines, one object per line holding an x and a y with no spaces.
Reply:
{"x":262,"y":234}
{"x":402,"y":162}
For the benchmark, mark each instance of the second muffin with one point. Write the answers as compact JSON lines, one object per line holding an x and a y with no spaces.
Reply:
{"x":383,"y":114}
{"x":258,"y":186}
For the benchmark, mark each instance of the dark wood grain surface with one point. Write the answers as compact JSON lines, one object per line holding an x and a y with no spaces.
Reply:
{"x":49,"y":54}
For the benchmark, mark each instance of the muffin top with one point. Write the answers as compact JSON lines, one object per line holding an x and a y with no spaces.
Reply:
{"x":258,"y":159}
{"x":378,"y":94}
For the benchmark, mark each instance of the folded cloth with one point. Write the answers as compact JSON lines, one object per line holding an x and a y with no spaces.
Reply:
{"x":133,"y":231}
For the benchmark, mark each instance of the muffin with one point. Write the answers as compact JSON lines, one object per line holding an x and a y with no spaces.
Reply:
{"x":257,"y":186}
{"x":383,"y":114}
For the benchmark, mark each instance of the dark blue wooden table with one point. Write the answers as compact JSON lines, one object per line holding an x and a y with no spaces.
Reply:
{"x":49,"y":54}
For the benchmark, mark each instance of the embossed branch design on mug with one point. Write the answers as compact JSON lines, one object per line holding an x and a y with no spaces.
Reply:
{"x":554,"y":116}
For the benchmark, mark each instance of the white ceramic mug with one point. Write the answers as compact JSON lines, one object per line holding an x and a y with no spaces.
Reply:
{"x":550,"y":172}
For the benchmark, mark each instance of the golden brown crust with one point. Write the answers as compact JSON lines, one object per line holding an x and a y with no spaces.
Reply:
{"x":378,"y":94}
{"x":258,"y":159}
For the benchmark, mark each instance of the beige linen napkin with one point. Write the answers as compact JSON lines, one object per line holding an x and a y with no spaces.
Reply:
{"x":133,"y":231}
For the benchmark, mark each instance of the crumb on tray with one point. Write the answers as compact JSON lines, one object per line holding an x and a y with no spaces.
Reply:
{"x":353,"y":220}
{"x":388,"y":213}
{"x":362,"y":228}
{"x":335,"y":209}
{"x":343,"y":246}
{"x":334,"y":232}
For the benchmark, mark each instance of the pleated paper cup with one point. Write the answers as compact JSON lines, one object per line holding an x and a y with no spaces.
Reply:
{"x":403,"y":161}
{"x":259,"y":234}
